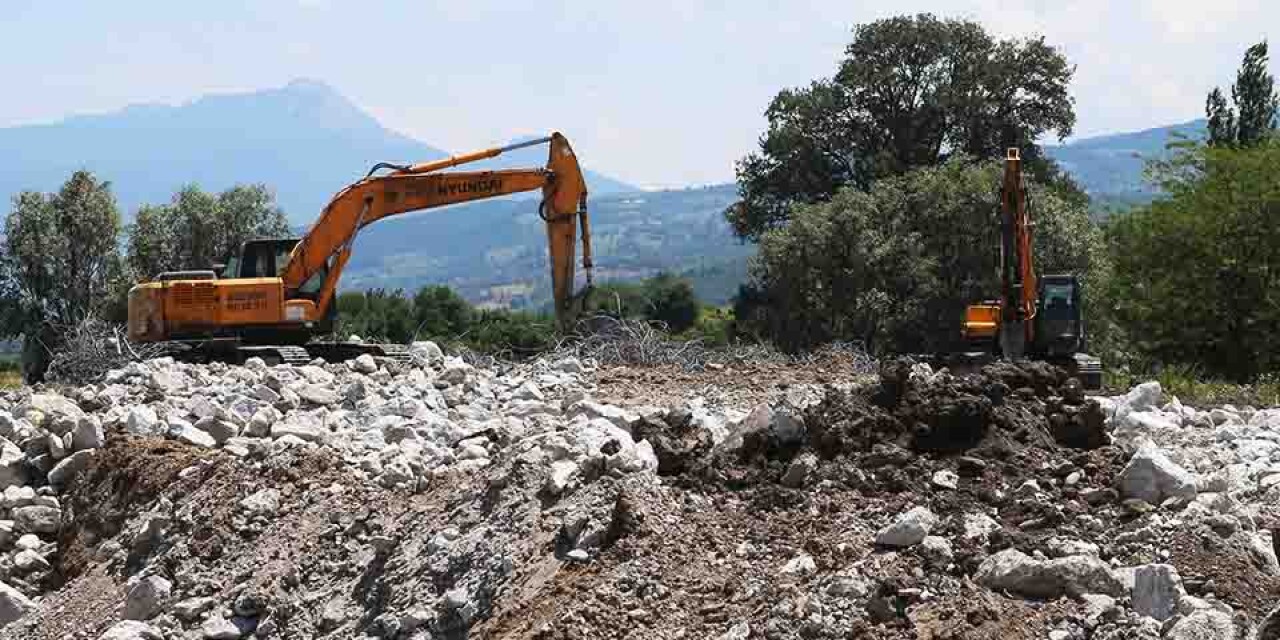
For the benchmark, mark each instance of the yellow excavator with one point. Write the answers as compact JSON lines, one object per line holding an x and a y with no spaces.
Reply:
{"x":276,"y":296}
{"x":1038,"y":317}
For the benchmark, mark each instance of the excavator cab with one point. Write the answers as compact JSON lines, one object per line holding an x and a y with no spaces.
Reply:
{"x":260,"y":258}
{"x":1059,"y":319}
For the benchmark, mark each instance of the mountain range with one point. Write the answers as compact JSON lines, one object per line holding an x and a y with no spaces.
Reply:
{"x":1110,"y":167}
{"x":306,"y":141}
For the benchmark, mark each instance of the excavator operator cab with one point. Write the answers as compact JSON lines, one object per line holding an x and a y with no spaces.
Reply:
{"x":1059,"y":318}
{"x":266,"y":258}
{"x":261,"y":258}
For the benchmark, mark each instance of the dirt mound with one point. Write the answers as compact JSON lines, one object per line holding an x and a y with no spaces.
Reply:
{"x":1006,"y":412}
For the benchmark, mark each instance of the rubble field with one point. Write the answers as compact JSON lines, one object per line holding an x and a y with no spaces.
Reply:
{"x":558,"y":500}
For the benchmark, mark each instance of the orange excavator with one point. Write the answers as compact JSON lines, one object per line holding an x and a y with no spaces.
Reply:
{"x":276,"y":296}
{"x":1037,"y":317}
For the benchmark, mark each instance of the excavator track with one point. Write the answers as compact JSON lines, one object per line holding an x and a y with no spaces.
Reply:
{"x":341,"y":351}
{"x":234,"y":352}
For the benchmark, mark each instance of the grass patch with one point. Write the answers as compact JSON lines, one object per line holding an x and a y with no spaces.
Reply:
{"x":10,"y":374}
{"x":1191,"y":387}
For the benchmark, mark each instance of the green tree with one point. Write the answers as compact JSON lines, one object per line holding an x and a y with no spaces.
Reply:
{"x":1196,"y":272}
{"x":671,"y":300}
{"x":439,"y":313}
{"x":894,"y":267}
{"x":59,"y":264}
{"x":377,"y":314}
{"x":1221,"y":119}
{"x":1254,"y":116}
{"x":910,"y":92}
{"x":198,"y":229}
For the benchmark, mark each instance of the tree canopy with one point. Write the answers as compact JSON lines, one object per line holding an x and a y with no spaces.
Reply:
{"x":1254,"y":116}
{"x":910,"y":92}
{"x":1196,"y":270}
{"x":59,"y":264}
{"x":198,"y":229}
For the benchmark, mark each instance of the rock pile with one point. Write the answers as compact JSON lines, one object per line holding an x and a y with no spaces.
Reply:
{"x":400,"y":427}
{"x":433,"y":499}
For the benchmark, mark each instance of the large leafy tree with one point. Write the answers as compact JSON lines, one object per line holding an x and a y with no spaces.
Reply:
{"x":910,"y":92}
{"x":198,"y":229}
{"x":1256,"y":104}
{"x":59,"y":264}
{"x":894,"y":267}
{"x":1198,"y":271}
{"x":439,"y":313}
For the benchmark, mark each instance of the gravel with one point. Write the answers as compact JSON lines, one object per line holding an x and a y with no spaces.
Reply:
{"x":437,"y":499}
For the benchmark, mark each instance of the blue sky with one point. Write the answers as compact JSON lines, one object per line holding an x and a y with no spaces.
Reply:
{"x":656,"y":92}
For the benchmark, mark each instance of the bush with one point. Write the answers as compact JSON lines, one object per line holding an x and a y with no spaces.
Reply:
{"x":438,"y":313}
{"x":1194,"y":277}
{"x":671,"y":301}
{"x":714,"y":328}
{"x":663,"y":298}
{"x":376,"y":314}
{"x":518,"y":334}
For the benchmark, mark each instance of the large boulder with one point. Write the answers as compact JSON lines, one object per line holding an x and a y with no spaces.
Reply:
{"x":318,"y":394}
{"x":302,"y":426}
{"x":187,"y":433}
{"x":909,"y":529}
{"x":1156,"y":590}
{"x":13,"y":604}
{"x":146,"y":598}
{"x":13,"y":468}
{"x":1144,"y":397}
{"x":53,"y":407}
{"x":69,"y":466}
{"x":1153,"y":477}
{"x":88,"y":434}
{"x":1133,"y":426}
{"x":1204,"y":624}
{"x":132,"y":630}
{"x":143,"y":421}
{"x":1016,"y":572}
{"x":37,"y":519}
{"x":426,"y":352}
{"x":219,"y":430}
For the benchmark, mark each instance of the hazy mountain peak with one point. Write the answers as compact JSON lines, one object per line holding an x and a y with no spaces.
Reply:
{"x":305,"y":140}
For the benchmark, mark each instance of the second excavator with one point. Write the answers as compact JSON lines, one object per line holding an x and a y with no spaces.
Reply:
{"x":1040,"y":317}
{"x":276,"y":296}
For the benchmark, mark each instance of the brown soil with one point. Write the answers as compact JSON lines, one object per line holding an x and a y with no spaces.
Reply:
{"x":739,"y":384}
{"x":708,"y":548}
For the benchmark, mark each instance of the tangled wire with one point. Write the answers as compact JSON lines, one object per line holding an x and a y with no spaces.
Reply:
{"x":612,"y":341}
{"x":91,"y":348}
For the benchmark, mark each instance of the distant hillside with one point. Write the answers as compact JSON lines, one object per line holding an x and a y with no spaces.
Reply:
{"x":495,"y":252}
{"x":305,"y":140}
{"x":1110,"y":167}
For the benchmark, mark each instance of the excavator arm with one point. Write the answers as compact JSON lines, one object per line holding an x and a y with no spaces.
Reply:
{"x":311,"y":275}
{"x":1017,"y":269}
